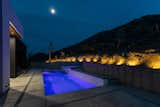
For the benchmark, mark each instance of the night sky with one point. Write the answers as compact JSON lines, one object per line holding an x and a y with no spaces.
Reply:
{"x":75,"y":20}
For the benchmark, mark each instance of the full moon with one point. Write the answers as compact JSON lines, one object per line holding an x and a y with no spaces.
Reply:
{"x":53,"y":11}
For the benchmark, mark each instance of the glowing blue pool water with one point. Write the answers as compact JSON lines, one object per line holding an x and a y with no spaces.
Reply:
{"x":58,"y":82}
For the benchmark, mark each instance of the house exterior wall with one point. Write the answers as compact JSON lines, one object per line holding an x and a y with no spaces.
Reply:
{"x":5,"y":50}
{"x":6,"y":15}
{"x":0,"y":46}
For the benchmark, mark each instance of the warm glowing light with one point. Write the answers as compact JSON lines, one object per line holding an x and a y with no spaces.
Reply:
{"x":153,"y":61}
{"x":150,"y":51}
{"x":68,"y":59}
{"x":80,"y":59}
{"x":134,"y":59}
{"x":104,"y":59}
{"x":111,"y":60}
{"x":96,"y":58}
{"x":88,"y":58}
{"x":148,"y":58}
{"x":119,"y":60}
{"x":73,"y":59}
{"x":13,"y":32}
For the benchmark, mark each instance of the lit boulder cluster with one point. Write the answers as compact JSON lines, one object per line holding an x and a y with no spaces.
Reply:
{"x":151,"y":60}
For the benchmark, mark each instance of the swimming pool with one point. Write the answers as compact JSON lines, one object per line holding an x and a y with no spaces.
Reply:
{"x":57,"y":82}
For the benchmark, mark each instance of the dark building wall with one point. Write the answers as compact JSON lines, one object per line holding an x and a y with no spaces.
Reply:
{"x":21,"y":56}
{"x":18,"y":57}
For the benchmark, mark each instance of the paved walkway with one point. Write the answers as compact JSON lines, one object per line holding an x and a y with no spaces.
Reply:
{"x":27,"y":91}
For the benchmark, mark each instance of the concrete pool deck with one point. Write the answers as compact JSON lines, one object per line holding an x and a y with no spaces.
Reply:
{"x":27,"y":91}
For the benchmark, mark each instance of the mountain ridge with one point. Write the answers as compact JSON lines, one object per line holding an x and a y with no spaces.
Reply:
{"x":137,"y":35}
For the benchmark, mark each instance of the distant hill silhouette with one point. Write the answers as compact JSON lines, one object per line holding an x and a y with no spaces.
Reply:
{"x":136,"y":36}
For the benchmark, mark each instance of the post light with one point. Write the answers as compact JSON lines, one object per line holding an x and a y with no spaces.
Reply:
{"x":50,"y":51}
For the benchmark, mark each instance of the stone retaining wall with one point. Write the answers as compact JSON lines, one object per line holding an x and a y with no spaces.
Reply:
{"x":139,"y":77}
